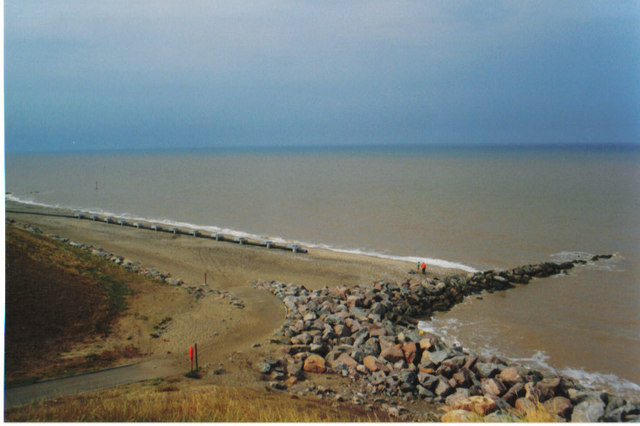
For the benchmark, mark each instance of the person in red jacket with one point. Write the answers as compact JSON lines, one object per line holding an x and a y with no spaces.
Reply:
{"x":423,"y":266}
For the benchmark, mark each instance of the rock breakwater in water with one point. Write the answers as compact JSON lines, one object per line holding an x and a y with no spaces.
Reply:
{"x":368,"y":333}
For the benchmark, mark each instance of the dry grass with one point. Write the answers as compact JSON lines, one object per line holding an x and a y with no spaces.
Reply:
{"x":538,"y":414}
{"x":161,"y":401}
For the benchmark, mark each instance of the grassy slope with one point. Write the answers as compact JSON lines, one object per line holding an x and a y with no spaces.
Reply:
{"x":57,"y":296}
{"x":179,"y":400}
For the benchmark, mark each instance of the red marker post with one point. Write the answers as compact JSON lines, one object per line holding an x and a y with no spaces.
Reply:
{"x":191,"y":356}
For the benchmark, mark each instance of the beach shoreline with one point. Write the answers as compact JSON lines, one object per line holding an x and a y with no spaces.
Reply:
{"x":235,"y":269}
{"x":226,"y":336}
{"x":318,"y":267}
{"x":231,"y":234}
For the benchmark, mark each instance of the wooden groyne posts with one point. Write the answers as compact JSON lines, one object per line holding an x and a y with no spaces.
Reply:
{"x":295,"y":248}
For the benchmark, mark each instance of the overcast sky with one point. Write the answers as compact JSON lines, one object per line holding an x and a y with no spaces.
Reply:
{"x":156,"y":74}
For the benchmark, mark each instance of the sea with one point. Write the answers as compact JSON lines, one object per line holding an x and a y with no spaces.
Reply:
{"x":464,"y":207}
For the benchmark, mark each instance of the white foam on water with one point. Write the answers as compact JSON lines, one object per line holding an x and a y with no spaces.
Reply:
{"x":411,"y":259}
{"x":539,"y":361}
{"x":442,"y":331}
{"x":606,"y":381}
{"x":613,"y":264}
{"x":567,"y":256}
{"x":236,"y":233}
{"x":11,"y":197}
{"x":133,"y":217}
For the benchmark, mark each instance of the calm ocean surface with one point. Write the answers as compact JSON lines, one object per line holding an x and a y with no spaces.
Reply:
{"x":477,"y":209}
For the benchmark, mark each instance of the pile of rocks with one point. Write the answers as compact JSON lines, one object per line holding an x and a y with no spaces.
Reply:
{"x":198,"y":291}
{"x":368,"y":333}
{"x":441,"y":295}
{"x":26,"y":226}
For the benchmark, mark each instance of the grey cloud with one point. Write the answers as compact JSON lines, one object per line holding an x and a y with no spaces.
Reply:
{"x":157,"y":73}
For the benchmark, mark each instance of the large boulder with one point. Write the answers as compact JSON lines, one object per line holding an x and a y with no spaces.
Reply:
{"x":480,"y":405}
{"x":493,"y":387}
{"x":408,"y":380}
{"x":386,"y":342}
{"x":510,"y":376}
{"x":486,"y":370}
{"x":392,"y":354}
{"x":525,"y":404}
{"x":345,"y":359}
{"x":456,"y":362}
{"x":460,"y":394}
{"x":373,"y":364}
{"x":464,"y":377}
{"x":294,"y":369}
{"x":427,"y":342}
{"x":314,"y":364}
{"x":438,"y":356}
{"x":320,"y":349}
{"x":378,"y":332}
{"x":378,"y":308}
{"x":516,"y":391}
{"x":577,"y":395}
{"x":411,"y":351}
{"x":531,"y":392}
{"x":429,"y":381}
{"x":424,"y":392}
{"x":360,"y":337}
{"x":355,"y":301}
{"x":358,"y":312}
{"x":341,"y":330}
{"x":443,"y":388}
{"x":560,"y":406}
{"x":627,"y":412}
{"x":302,"y":339}
{"x":548,"y":388}
{"x":500,"y":417}
{"x":590,"y":410}
{"x":371,"y":347}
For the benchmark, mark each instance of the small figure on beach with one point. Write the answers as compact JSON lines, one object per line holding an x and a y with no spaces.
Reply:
{"x":423,"y":266}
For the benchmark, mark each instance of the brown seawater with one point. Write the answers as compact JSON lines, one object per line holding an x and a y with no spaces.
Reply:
{"x":471,"y":208}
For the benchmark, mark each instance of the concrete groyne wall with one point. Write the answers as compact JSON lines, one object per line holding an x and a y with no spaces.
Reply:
{"x":192,"y":232}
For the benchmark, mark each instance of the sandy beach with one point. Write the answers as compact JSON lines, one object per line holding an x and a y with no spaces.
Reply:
{"x":220,"y":329}
{"x":240,"y":303}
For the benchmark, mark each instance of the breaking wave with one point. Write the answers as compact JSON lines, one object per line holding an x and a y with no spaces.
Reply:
{"x":237,"y":233}
{"x":608,"y":265}
{"x":539,"y":361}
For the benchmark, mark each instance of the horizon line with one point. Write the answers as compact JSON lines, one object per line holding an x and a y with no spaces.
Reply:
{"x":346,"y":147}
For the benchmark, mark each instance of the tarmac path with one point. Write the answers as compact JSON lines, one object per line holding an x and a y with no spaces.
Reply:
{"x":85,"y":382}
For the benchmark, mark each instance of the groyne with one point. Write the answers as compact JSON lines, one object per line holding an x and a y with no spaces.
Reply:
{"x":368,"y":333}
{"x":150,"y":226}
